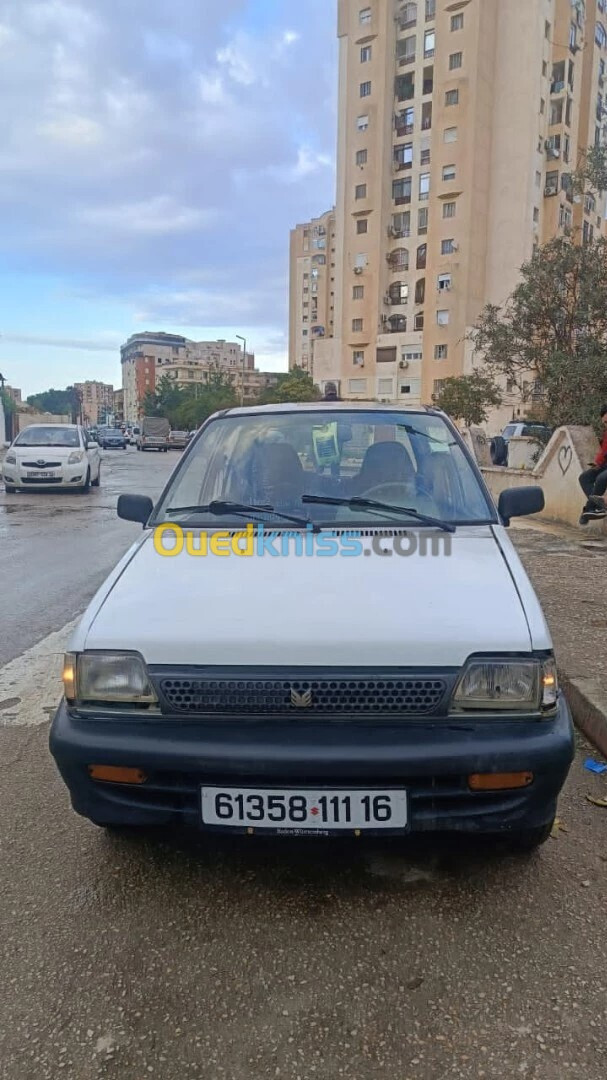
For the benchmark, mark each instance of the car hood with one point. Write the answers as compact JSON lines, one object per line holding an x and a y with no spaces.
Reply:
{"x":414,"y":611}
{"x":43,"y":453}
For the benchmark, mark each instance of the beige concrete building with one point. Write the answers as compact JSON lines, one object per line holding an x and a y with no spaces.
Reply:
{"x":97,"y":401}
{"x":460,"y":123}
{"x":311,"y":289}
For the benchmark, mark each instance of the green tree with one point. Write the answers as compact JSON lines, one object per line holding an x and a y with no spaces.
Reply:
{"x":202,"y":400}
{"x":550,"y":338}
{"x":294,"y":385}
{"x":468,"y":397}
{"x":58,"y":402}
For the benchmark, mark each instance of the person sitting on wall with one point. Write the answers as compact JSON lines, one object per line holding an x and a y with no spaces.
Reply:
{"x":593,"y":481}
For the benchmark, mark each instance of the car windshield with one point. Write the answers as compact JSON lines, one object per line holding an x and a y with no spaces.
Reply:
{"x":278,"y":460}
{"x":48,"y":436}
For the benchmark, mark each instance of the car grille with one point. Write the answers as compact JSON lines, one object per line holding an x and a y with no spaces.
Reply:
{"x":43,"y":465}
{"x":306,"y":698}
{"x":41,"y":480}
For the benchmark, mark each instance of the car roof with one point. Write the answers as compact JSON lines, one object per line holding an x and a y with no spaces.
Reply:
{"x":330,"y":406}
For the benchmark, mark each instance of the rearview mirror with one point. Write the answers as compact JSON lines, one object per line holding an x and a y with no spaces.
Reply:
{"x":520,"y":502}
{"x":135,"y":508}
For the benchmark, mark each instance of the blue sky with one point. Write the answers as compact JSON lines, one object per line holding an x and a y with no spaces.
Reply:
{"x":153,"y":156}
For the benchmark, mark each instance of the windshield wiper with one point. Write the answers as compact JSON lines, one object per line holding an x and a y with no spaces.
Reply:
{"x":425,"y":434}
{"x":356,"y":503}
{"x":219,"y":507}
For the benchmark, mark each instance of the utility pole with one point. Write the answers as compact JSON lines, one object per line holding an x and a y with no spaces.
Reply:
{"x":244,"y":361}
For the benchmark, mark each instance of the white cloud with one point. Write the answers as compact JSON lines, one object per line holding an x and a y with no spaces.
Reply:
{"x":74,"y":130}
{"x":158,"y":216}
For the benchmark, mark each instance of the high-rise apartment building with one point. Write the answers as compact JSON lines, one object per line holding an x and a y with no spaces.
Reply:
{"x":460,"y":124}
{"x":311,"y":288}
{"x":96,"y":401}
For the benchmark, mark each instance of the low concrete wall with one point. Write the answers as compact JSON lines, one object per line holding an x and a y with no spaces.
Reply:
{"x":568,"y":453}
{"x":23,"y":420}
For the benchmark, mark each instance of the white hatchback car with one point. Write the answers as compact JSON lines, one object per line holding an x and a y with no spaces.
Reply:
{"x":52,"y":455}
{"x":323,"y":628}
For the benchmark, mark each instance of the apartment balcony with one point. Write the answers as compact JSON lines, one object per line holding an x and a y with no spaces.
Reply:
{"x":395,"y":324}
{"x":405,"y":61}
{"x":400,"y":166}
{"x":402,"y":200}
{"x":402,"y":128}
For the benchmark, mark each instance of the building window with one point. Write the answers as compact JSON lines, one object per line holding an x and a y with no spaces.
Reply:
{"x":362,"y":226}
{"x":452,"y":97}
{"x":409,"y":15}
{"x":426,"y":116}
{"x":424,"y":187}
{"x":365,"y":54}
{"x":398,"y":293}
{"x":361,"y":261}
{"x":361,"y":157}
{"x":424,"y":157}
{"x":455,"y":61}
{"x":420,"y":291}
{"x":401,"y":191}
{"x":450,"y":135}
{"x":441,"y":352}
{"x":430,"y":9}
{"x":429,"y":44}
{"x":358,"y":357}
{"x":556,"y":111}
{"x":449,"y":209}
{"x":447,"y":247}
{"x":418,"y":322}
{"x":536,"y":215}
{"x":422,"y":220}
{"x":444,"y":282}
{"x":573,"y":36}
{"x":401,"y":224}
{"x":442,"y":317}
{"x":357,"y":326}
{"x":358,"y":292}
{"x":360,"y":191}
{"x":405,"y":87}
{"x":565,"y":217}
{"x":457,"y":22}
{"x":365,"y":89}
{"x":362,"y":123}
{"x":399,"y":259}
{"x":385,"y":387}
{"x":364,"y":16}
{"x":405,"y":49}
{"x":403,"y":155}
{"x":357,"y":386}
{"x":422,"y":254}
{"x":538,"y":179}
{"x":449,"y":172}
{"x":552,"y":183}
{"x":568,"y":111}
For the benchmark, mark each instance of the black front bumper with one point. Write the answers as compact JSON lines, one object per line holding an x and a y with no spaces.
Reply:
{"x":432,"y":760}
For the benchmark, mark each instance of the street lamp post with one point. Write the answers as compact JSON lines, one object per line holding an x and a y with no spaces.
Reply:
{"x":244,"y":361}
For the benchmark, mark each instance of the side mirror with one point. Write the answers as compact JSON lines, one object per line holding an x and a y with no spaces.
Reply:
{"x":520,"y":502}
{"x":135,"y":508}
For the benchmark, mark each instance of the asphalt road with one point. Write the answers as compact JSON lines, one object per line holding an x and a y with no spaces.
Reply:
{"x":56,"y":549}
{"x":172,"y":956}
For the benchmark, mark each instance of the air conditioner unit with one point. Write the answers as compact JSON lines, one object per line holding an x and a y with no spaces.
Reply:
{"x":404,"y":364}
{"x":358,"y":269}
{"x":548,"y":191}
{"x":387,"y":299}
{"x":391,"y":230}
{"x":454,"y":246}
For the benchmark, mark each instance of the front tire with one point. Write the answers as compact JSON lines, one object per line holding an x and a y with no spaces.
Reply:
{"x":526,"y":841}
{"x":10,"y":489}
{"x":97,"y":483}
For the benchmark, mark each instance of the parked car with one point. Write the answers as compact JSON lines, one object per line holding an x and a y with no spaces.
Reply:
{"x":154,"y":434}
{"x":112,"y":439}
{"x":499,"y":445}
{"x":133,"y":433}
{"x":326,"y":695}
{"x":178,"y":440}
{"x":52,"y":455}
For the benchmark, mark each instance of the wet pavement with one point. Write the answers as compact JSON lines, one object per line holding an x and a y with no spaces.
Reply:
{"x":56,"y":549}
{"x":173,"y":956}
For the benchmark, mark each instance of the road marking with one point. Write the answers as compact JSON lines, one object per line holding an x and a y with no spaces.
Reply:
{"x":33,"y":681}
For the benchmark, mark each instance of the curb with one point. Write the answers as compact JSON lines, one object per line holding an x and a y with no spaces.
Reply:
{"x":588,"y":702}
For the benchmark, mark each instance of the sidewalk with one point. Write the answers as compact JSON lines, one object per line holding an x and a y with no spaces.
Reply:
{"x":568,"y":568}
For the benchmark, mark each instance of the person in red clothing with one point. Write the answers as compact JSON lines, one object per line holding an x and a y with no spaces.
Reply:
{"x":593,"y":481}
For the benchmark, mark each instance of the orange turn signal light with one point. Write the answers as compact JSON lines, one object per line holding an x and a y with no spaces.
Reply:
{"x":499,"y":781}
{"x":115,"y":774}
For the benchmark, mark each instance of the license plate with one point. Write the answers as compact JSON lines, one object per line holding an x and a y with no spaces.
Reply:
{"x":46,"y":475}
{"x":304,"y":810}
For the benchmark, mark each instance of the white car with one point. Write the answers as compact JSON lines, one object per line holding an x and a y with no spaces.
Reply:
{"x":52,"y":456}
{"x":323,"y":629}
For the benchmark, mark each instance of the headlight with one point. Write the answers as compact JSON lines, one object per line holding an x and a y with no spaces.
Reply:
{"x":506,"y":686}
{"x":10,"y":459}
{"x":113,"y":678}
{"x":75,"y":457}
